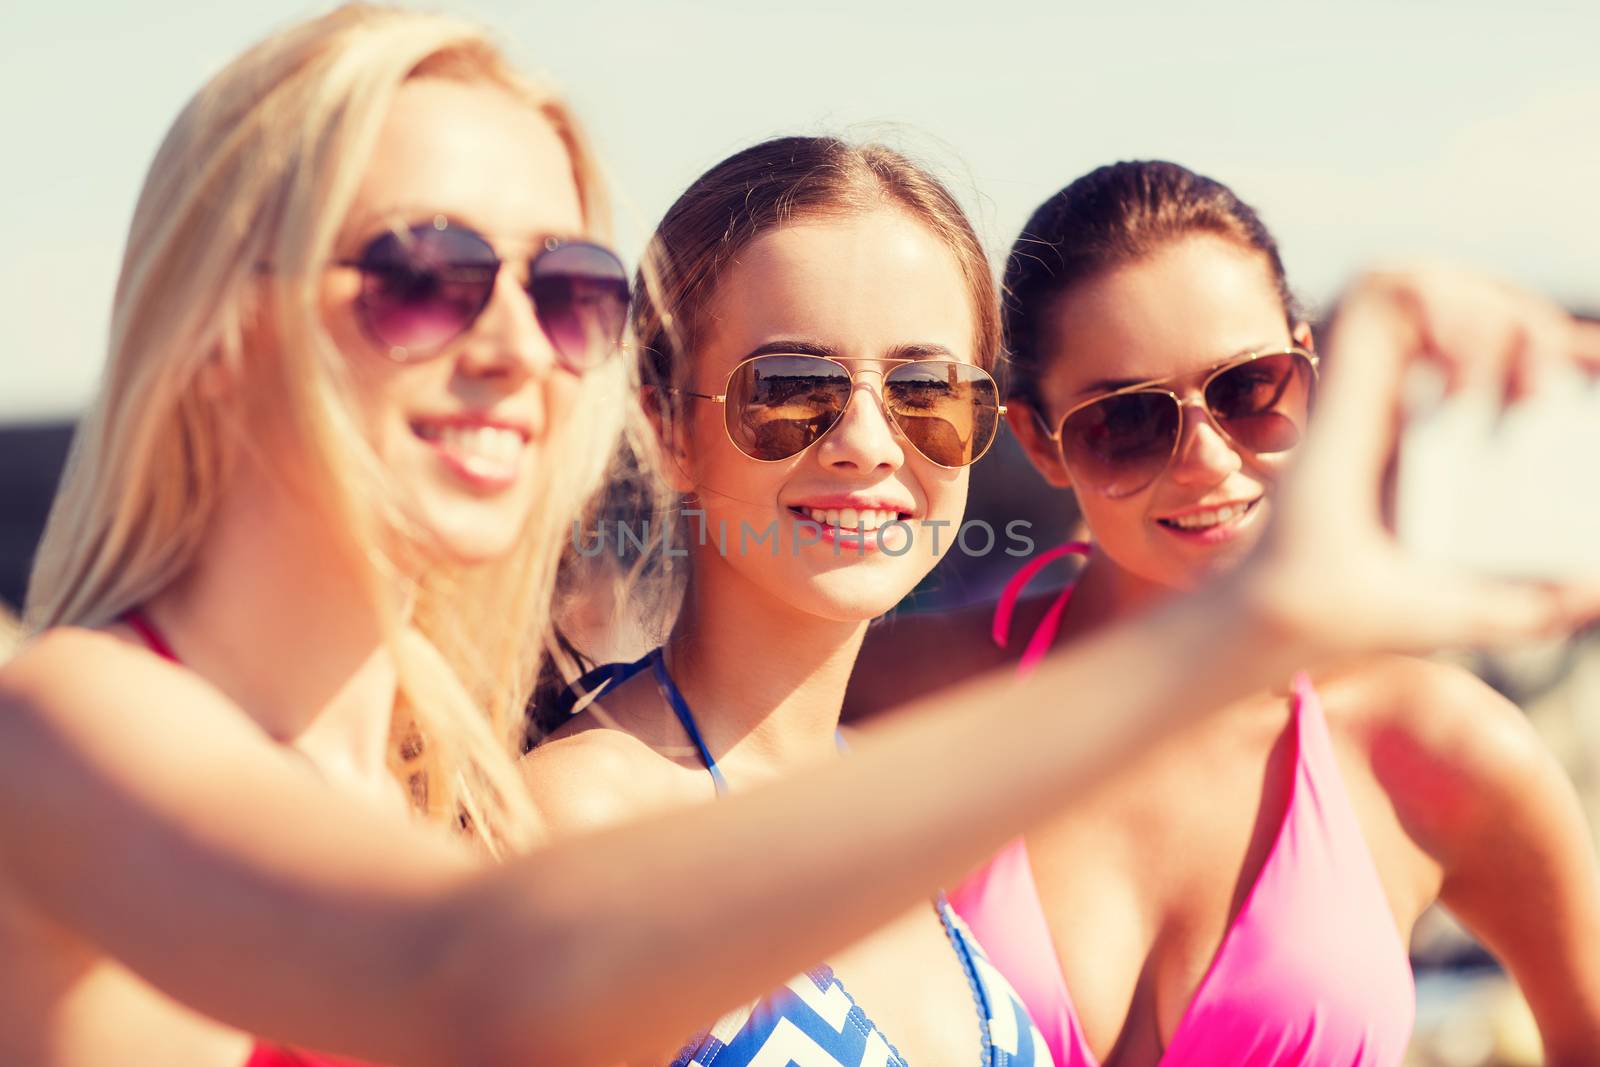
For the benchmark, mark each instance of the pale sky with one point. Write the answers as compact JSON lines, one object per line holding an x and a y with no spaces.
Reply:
{"x":1361,"y":131}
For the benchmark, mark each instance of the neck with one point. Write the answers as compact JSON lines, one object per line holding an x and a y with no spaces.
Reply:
{"x":765,"y":681}
{"x":1105,"y":593}
{"x":275,"y":613}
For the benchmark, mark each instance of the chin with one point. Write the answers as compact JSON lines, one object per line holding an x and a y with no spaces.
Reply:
{"x":473,"y":536}
{"x":846,"y":597}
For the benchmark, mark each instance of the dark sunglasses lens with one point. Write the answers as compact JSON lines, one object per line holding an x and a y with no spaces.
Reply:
{"x":949,"y":411}
{"x":779,"y":405}
{"x":423,"y":286}
{"x":580,"y":295}
{"x":1119,"y":444}
{"x":1264,"y":404}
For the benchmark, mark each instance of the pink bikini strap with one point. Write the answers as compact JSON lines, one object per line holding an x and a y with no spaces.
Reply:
{"x":1045,"y":634}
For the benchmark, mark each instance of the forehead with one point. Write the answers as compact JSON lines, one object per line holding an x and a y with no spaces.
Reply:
{"x":1185,"y":307}
{"x":474,"y":152}
{"x":862,"y":286}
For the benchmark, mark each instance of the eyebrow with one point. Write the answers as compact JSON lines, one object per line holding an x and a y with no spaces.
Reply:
{"x":1112,"y":385}
{"x":827,"y":351}
{"x":399,"y":217}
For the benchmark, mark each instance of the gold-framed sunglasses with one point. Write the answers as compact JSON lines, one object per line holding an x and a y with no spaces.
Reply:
{"x":1121,"y":441}
{"x":780,"y":404}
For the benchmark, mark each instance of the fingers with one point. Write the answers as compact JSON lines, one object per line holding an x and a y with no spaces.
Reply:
{"x":1486,"y":337}
{"x":1586,"y":345}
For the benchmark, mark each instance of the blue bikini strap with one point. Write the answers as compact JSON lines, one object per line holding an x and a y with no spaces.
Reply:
{"x":593,"y":682}
{"x":680,"y":708}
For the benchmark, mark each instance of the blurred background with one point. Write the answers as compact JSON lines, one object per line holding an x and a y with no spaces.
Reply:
{"x":1363,"y":131}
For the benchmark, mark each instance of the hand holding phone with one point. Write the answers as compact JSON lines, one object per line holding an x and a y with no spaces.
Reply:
{"x":1513,"y":493}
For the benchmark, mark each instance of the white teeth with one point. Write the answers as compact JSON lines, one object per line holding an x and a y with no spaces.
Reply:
{"x":491,"y":450}
{"x":867,"y":519}
{"x":1200,"y":520}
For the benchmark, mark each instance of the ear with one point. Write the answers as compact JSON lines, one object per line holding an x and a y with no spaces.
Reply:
{"x":1027,"y":424}
{"x":1302,"y":336}
{"x":671,"y":437}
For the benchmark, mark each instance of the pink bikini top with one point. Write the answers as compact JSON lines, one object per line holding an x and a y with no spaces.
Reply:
{"x":1311,"y":972}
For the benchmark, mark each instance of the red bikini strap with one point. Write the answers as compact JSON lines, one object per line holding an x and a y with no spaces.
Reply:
{"x":152,"y":637}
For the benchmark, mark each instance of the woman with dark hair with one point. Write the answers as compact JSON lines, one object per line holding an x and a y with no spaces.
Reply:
{"x":1244,"y":890}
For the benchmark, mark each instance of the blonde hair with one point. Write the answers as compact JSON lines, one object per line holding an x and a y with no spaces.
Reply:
{"x":262,"y":167}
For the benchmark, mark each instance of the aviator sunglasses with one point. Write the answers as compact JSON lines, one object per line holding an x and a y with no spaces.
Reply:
{"x":1120,"y":442}
{"x":778,"y":405}
{"x":425,"y":285}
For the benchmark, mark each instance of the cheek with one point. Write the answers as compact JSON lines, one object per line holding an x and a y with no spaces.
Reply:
{"x":715,"y":465}
{"x":378,"y":395}
{"x":565,"y":396}
{"x":944,"y":493}
{"x":1269,"y":469}
{"x":1111,"y":518}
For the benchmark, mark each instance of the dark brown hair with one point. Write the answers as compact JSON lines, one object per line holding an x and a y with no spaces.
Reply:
{"x":1110,"y":217}
{"x":768,"y":186}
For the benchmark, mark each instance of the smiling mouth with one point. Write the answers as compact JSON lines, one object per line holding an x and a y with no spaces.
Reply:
{"x":487,"y":456}
{"x":850,"y":520}
{"x":1210,"y":519}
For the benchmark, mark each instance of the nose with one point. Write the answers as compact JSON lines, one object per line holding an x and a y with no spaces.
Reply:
{"x":862,"y":439}
{"x":1205,"y":454}
{"x":506,"y":341}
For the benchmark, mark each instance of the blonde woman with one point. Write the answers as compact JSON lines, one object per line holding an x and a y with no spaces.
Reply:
{"x":340,"y":514}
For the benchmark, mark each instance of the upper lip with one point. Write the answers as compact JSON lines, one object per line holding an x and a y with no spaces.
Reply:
{"x":1214,"y":506}
{"x":859,"y":501}
{"x":475,"y":420}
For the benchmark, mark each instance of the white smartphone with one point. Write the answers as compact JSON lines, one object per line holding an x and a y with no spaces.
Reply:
{"x":1514,"y":492}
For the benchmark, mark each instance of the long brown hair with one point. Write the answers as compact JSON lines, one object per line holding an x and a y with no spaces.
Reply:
{"x":772,"y":184}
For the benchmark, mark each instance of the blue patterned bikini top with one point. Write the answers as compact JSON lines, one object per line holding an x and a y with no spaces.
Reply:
{"x":812,"y":1020}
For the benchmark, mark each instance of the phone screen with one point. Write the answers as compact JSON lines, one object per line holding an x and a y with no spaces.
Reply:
{"x":1512,"y":493}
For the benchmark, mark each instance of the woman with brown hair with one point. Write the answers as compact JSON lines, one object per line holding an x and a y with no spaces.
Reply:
{"x":818,"y":345}
{"x":1244,"y":891}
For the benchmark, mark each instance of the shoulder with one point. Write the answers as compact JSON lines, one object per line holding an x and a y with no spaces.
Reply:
{"x":69,"y":674}
{"x":1454,"y":755}
{"x":587,"y":776}
{"x":1430,"y":710}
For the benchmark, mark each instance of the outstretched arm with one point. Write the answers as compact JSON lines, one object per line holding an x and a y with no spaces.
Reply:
{"x":145,"y":814}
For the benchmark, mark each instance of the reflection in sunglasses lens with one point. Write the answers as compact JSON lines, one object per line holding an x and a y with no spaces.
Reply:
{"x":949,"y":411}
{"x":1119,"y":444}
{"x":778,"y":405}
{"x":425,"y":286}
{"x":580,"y":295}
{"x":1264,"y":404}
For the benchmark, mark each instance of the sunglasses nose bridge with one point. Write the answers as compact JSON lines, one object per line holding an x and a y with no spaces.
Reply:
{"x":1203,"y":445}
{"x":865,"y":434}
{"x":505,"y":335}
